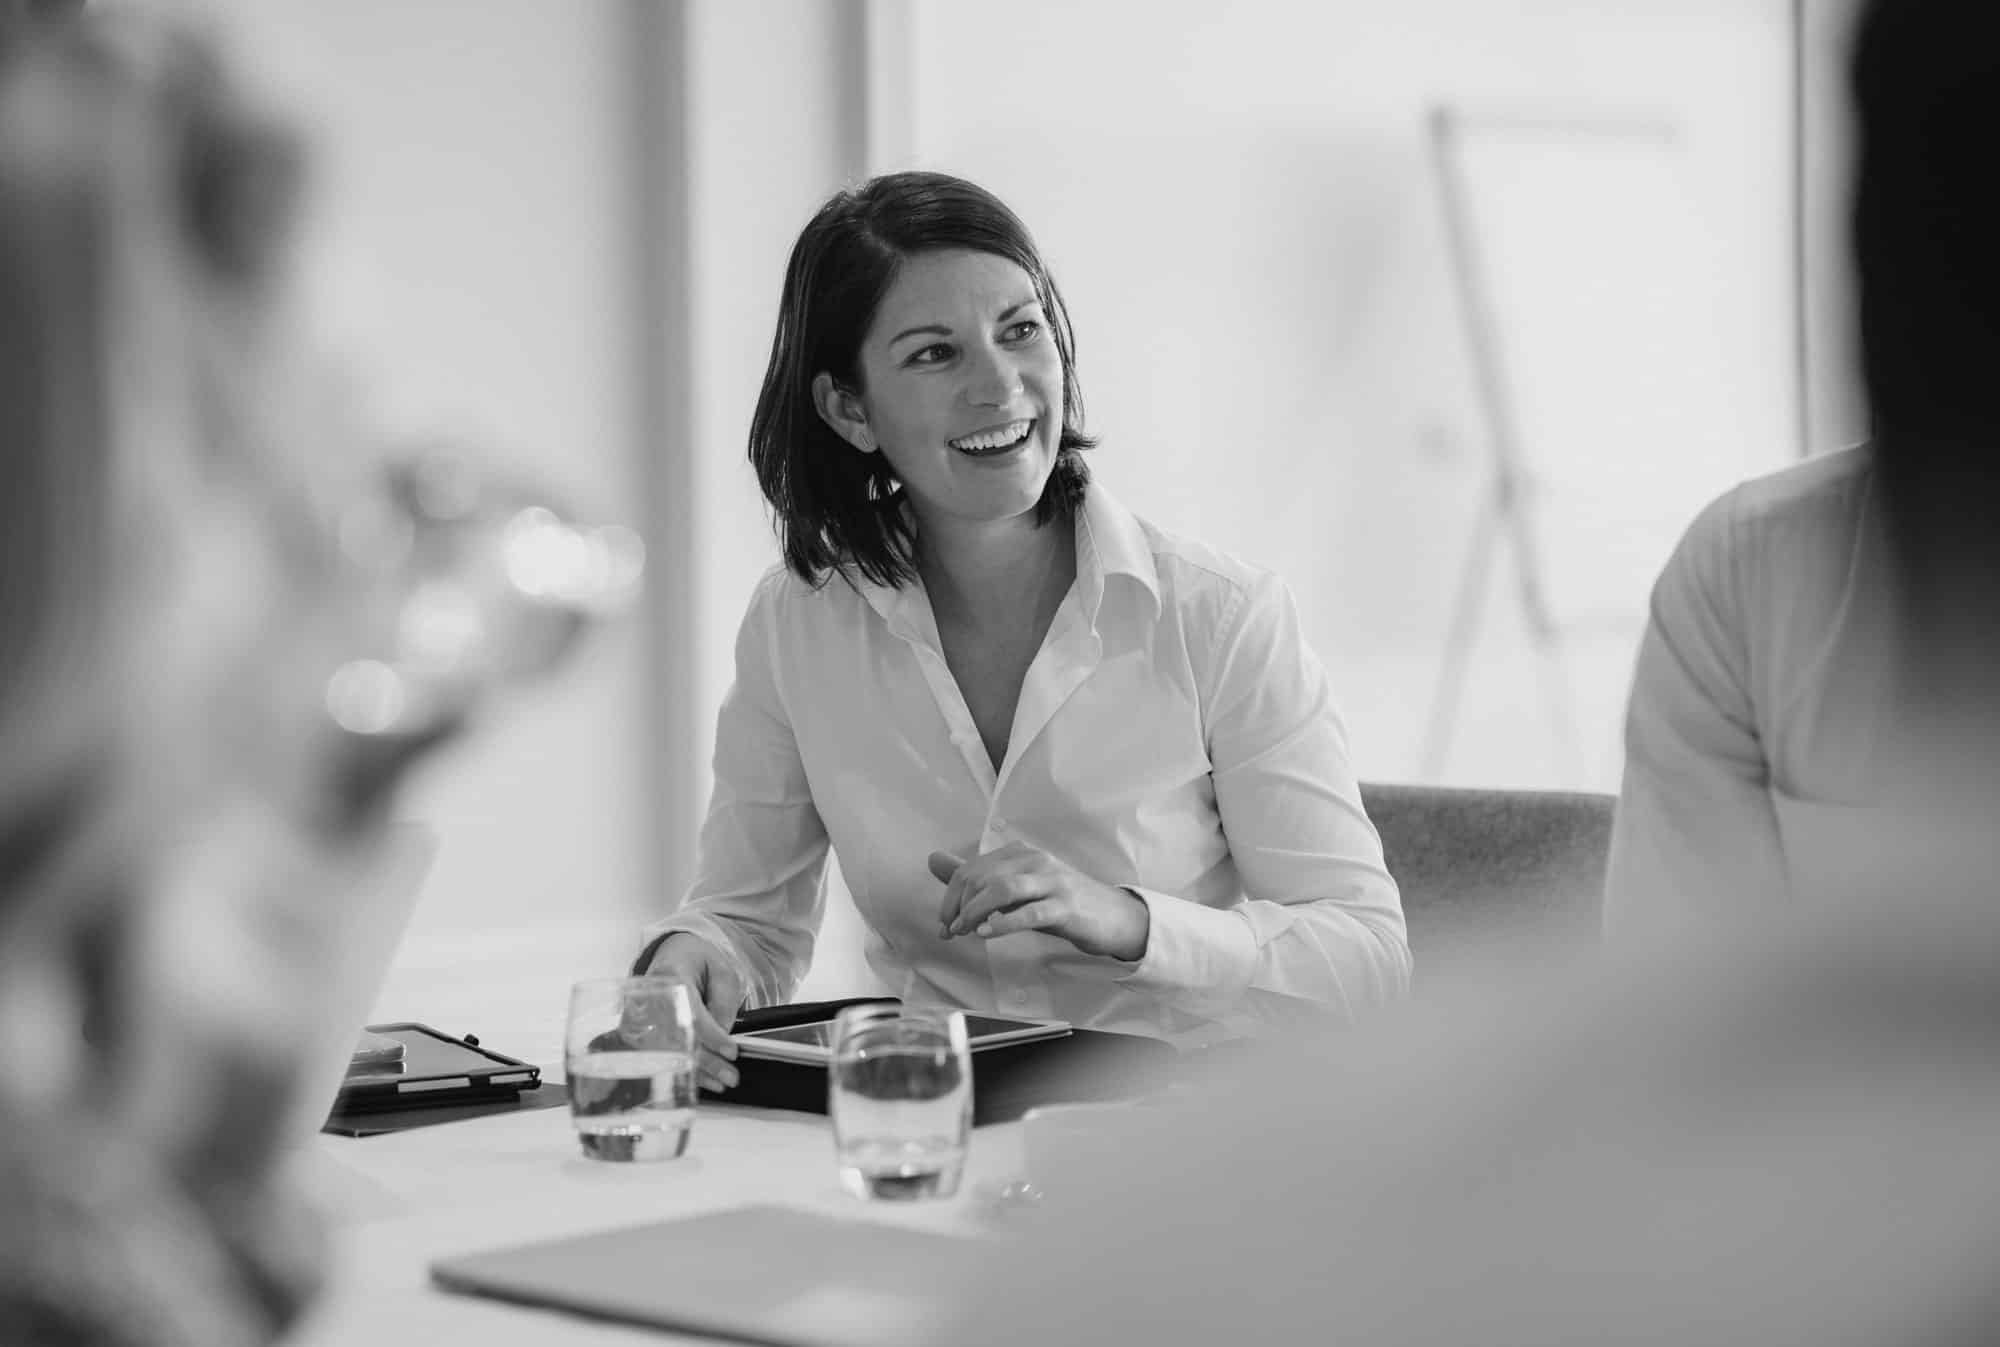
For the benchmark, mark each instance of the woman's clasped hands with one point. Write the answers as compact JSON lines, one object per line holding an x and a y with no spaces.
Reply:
{"x":1019,"y":888}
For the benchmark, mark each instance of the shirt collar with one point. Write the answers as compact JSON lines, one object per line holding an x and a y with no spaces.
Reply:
{"x":1110,"y":541}
{"x":902,"y":608}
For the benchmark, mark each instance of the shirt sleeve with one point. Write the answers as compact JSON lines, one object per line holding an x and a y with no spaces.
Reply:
{"x":759,"y":889}
{"x":1321,"y":927}
{"x":1695,"y":827}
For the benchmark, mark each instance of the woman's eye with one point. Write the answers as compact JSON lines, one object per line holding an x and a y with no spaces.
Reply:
{"x":1025,"y":330}
{"x":935,"y":354}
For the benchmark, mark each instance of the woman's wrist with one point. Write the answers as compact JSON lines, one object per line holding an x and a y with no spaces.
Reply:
{"x":1134,"y":928}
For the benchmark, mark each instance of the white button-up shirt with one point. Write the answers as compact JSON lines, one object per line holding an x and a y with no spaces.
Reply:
{"x":1174,"y":736}
{"x":1764,"y":744}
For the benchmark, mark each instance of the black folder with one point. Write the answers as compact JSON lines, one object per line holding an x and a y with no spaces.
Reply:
{"x":1084,"y":1065}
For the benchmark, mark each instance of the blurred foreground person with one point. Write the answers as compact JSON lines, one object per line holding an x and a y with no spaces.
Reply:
{"x":1777,"y":737}
{"x":1779,"y":1131}
{"x":205,"y":709}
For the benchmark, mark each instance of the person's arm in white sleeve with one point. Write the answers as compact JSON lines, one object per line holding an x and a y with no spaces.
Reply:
{"x":759,"y":887}
{"x":1696,"y":831}
{"x":1322,"y":922}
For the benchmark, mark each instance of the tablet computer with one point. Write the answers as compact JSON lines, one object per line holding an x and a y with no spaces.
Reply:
{"x":434,"y":1069}
{"x":813,"y":1043}
{"x":761,"y":1274}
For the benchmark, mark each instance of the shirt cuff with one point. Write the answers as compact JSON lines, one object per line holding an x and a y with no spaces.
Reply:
{"x":708,"y":929}
{"x":1202,"y":955}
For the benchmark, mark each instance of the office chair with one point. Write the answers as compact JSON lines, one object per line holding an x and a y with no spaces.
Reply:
{"x":1495,"y":880}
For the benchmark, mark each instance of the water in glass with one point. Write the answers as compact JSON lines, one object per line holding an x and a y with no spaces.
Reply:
{"x":632,"y":1105}
{"x":629,"y":1054}
{"x":901,"y":1098}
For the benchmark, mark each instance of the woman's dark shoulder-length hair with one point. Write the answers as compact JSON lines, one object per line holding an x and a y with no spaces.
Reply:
{"x":838,"y":509}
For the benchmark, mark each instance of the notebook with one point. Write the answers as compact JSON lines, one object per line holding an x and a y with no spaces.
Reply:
{"x":767,"y":1274}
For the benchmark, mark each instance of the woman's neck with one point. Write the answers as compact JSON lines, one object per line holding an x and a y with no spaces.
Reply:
{"x":995,"y":575}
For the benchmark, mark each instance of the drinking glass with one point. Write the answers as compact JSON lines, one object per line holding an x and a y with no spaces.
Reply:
{"x":629,"y":1054}
{"x":899,"y":1091}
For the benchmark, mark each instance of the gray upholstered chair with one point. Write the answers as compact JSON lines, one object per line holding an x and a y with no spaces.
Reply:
{"x":1495,"y":879}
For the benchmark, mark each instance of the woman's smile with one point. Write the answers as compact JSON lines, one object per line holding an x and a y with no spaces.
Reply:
{"x":995,"y":441}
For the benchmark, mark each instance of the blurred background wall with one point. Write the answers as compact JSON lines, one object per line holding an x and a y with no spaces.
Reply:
{"x":557,"y":228}
{"x":1244,"y":201}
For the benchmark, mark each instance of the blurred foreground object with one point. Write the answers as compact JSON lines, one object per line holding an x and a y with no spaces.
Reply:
{"x":1774,"y":1131}
{"x":492,"y":586}
{"x":191,"y":839}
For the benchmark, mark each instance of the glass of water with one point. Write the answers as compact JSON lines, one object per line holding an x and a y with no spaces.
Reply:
{"x":899,"y":1090}
{"x":629,"y":1056}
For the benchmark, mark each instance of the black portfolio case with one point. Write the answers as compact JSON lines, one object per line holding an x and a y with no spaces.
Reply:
{"x":1084,"y":1065}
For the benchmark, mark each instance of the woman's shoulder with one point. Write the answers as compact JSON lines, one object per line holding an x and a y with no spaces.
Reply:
{"x":781,"y":592}
{"x":789,"y":618}
{"x":1195,"y":572}
{"x":1178,"y":564}
{"x":1209,"y":596}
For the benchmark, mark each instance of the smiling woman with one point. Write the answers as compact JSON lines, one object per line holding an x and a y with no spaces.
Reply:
{"x":908,"y":284}
{"x":1074,"y":767}
{"x":964,"y":398}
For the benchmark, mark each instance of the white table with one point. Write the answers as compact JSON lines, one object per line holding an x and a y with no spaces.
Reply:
{"x":397,"y":1202}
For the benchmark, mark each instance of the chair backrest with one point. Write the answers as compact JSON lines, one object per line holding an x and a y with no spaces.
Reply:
{"x":1509,"y":879}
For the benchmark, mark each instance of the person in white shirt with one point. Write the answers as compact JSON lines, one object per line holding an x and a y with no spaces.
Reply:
{"x":1073,"y":766}
{"x":1761,"y":741}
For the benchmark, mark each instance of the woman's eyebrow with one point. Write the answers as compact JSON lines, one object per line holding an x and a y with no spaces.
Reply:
{"x":939,"y":330}
{"x":927,"y":330}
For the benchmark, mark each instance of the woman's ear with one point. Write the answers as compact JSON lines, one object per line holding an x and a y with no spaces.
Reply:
{"x":843,"y":411}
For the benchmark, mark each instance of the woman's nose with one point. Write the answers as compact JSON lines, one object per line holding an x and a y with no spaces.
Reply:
{"x":992,"y":380}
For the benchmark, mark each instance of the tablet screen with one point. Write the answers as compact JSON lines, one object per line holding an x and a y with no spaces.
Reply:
{"x":815,"y":1041}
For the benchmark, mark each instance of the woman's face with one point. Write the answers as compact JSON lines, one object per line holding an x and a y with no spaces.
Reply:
{"x":963,"y":387}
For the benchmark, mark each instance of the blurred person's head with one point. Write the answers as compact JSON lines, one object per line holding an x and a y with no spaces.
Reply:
{"x":143,"y":228}
{"x":172,"y":598}
{"x":225,"y":637}
{"x":917,"y":313}
{"x":1926,"y":80}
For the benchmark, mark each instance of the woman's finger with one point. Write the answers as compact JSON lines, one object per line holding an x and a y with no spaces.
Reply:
{"x":996,"y":894}
{"x":710,"y":1036}
{"x":963,"y":881}
{"x":714,"y":1074}
{"x":1042,"y":913}
{"x":943,"y":865}
{"x":954,"y":891}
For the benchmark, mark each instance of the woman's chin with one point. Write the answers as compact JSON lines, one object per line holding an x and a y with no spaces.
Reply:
{"x":1019,"y":493}
{"x":992,"y":489}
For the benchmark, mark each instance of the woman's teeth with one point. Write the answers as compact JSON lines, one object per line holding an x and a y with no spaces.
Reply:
{"x":997,"y":440}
